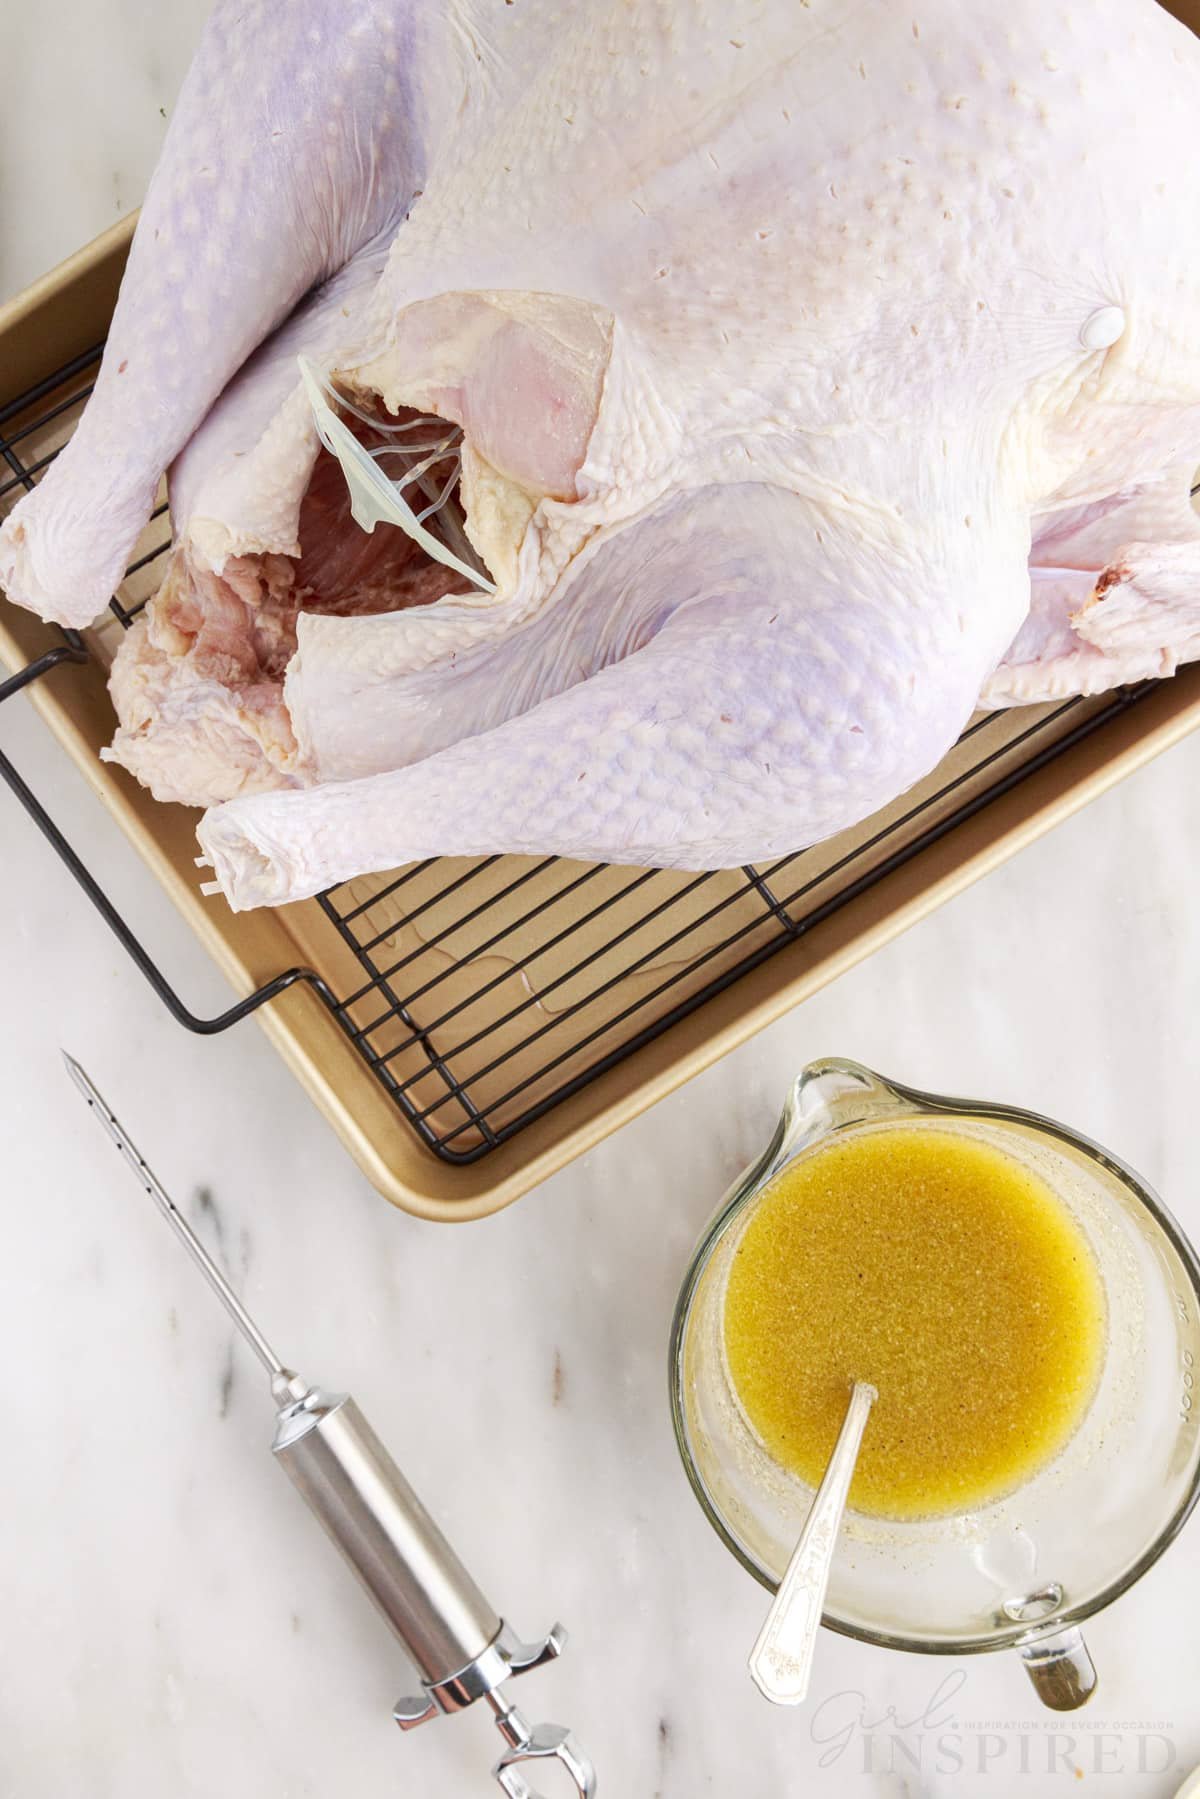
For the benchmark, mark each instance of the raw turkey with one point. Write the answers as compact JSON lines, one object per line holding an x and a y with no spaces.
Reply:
{"x":808,"y":372}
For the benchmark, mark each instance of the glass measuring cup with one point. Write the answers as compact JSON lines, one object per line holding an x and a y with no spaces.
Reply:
{"x":1024,"y":1571}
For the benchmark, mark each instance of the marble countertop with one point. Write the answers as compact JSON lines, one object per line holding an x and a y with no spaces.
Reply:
{"x":172,"y":1623}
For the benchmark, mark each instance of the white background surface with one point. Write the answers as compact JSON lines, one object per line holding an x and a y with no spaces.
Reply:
{"x":170,"y":1622}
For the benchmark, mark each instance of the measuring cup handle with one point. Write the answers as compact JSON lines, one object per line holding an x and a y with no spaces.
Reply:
{"x":1063,"y":1673}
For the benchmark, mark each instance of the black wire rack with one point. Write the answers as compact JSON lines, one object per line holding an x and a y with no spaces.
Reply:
{"x":490,"y":990}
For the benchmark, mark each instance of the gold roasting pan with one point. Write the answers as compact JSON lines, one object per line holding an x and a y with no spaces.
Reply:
{"x":486,"y":1021}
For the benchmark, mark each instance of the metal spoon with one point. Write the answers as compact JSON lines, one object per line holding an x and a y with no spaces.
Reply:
{"x":781,"y":1660}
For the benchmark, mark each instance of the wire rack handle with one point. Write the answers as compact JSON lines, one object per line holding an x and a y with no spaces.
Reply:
{"x":73,"y":649}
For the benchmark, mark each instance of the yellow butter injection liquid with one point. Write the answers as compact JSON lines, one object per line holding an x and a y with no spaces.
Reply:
{"x":949,"y":1275}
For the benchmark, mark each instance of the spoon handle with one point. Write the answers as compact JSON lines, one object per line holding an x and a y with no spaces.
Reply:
{"x":781,"y":1659}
